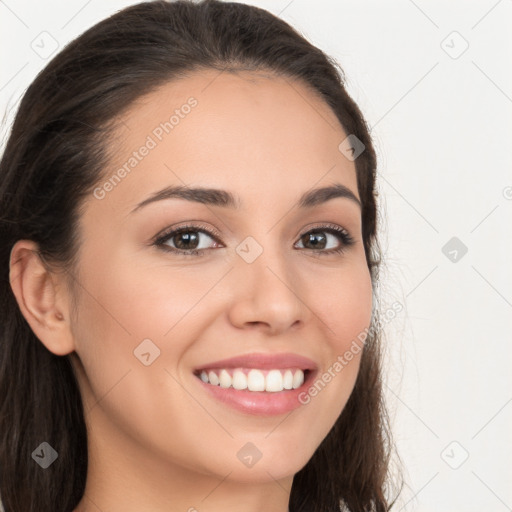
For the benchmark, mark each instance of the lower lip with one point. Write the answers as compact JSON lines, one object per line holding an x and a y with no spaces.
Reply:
{"x":260,"y":403}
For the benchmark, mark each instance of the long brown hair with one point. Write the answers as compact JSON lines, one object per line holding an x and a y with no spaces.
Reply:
{"x":53,"y":159}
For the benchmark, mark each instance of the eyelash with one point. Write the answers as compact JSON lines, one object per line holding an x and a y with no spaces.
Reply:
{"x":342,"y":234}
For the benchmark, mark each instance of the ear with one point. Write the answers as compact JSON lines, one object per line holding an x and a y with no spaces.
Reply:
{"x":42,"y":297}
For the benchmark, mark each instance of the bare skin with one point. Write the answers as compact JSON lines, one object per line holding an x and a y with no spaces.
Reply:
{"x":157,"y":441}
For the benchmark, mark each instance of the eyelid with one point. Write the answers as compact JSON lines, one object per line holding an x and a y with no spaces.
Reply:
{"x":191,"y":225}
{"x":164,"y":234}
{"x":323,"y":225}
{"x":345,"y":238}
{"x":328,"y":227}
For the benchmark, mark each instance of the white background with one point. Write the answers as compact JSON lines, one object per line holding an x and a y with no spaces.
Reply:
{"x":443,"y":130}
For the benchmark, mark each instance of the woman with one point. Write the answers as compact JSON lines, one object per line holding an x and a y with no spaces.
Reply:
{"x":189,"y":252}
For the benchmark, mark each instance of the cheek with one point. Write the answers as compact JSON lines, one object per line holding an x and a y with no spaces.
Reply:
{"x":124,"y":303}
{"x":345,"y":305}
{"x":130,"y":301}
{"x":345,"y":309}
{"x":119,"y":310}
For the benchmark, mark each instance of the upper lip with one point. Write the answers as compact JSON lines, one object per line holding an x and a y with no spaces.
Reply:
{"x":264,"y":361}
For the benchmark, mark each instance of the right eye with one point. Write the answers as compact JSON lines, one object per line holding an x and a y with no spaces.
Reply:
{"x":186,"y":240}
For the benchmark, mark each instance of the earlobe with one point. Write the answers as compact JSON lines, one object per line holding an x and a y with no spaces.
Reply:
{"x":41,"y":297}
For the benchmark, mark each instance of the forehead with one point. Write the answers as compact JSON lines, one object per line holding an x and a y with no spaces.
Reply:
{"x":244,"y":132}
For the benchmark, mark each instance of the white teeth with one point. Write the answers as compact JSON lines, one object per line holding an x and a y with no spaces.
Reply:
{"x":224,"y":379}
{"x":288,"y":379}
{"x":212,"y":377}
{"x":274,"y":381}
{"x":298,"y":379}
{"x":239,"y":380}
{"x":255,"y":380}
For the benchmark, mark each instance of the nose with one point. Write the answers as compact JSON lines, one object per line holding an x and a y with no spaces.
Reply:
{"x":267,"y":294}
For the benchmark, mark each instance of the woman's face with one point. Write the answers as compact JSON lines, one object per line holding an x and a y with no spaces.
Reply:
{"x":149,"y":318}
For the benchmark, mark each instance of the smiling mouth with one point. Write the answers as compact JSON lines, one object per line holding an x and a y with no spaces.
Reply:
{"x":253,"y":379}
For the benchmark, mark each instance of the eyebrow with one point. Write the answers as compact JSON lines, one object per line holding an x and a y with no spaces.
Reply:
{"x":225,"y":199}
